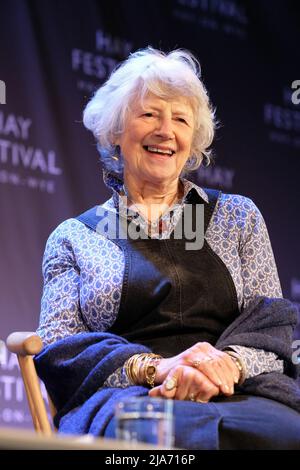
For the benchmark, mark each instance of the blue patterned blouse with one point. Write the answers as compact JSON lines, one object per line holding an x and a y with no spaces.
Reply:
{"x":83,"y":270}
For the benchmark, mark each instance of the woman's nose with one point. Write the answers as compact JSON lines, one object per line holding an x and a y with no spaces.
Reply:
{"x":165,"y":129}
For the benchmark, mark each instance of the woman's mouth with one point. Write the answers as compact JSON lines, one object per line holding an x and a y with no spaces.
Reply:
{"x":159,"y":151}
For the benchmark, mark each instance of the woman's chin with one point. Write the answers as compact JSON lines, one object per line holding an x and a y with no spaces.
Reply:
{"x":159,"y":177}
{"x":160,"y":173}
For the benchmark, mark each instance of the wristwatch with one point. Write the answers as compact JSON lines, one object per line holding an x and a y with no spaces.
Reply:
{"x":150,"y":369}
{"x":240,"y":365}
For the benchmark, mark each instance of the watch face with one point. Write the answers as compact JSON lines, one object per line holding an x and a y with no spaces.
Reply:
{"x":151,"y":370}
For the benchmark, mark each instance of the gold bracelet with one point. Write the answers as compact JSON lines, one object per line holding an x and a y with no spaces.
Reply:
{"x":240,"y":365}
{"x":132,"y":369}
{"x":141,"y":368}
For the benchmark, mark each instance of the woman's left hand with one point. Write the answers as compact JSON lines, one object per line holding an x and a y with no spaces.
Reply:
{"x":186,"y":383}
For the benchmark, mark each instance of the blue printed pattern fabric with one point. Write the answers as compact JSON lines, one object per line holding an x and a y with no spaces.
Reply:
{"x":118,"y":379}
{"x":257,"y":360}
{"x":83,"y":271}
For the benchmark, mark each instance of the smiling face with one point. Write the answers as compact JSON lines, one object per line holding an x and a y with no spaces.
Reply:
{"x":157,"y":139}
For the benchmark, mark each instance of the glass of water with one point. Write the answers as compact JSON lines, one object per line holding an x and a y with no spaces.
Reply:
{"x":145,"y":419}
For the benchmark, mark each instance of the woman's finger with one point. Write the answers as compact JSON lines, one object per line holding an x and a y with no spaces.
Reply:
{"x":186,"y":381}
{"x":170,"y":384}
{"x":216,"y":366}
{"x":155,"y":392}
{"x":229,"y":368}
{"x":207,"y":391}
{"x":203,"y":363}
{"x":193,"y":384}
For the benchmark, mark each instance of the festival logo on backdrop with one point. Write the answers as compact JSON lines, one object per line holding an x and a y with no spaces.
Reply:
{"x":24,"y":164}
{"x":225,"y":16}
{"x":282,"y":120}
{"x":93,"y":67}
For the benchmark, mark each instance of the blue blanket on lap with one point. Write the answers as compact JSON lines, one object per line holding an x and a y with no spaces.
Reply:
{"x":75,"y":368}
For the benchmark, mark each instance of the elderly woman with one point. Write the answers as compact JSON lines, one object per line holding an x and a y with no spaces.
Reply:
{"x":134,"y":305}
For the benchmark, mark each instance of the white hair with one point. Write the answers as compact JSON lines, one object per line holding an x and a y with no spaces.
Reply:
{"x":166,"y":75}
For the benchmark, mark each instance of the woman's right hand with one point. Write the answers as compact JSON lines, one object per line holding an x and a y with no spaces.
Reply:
{"x":217,"y":366}
{"x":186,"y":383}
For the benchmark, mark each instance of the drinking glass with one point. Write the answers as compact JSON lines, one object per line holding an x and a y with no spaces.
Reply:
{"x":145,"y":419}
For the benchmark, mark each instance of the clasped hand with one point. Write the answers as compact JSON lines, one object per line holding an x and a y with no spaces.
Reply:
{"x":198,"y":374}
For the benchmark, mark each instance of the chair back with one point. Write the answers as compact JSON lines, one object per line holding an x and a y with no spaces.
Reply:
{"x":26,"y":345}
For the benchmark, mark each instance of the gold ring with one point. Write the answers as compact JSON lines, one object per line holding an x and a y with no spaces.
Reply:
{"x":198,"y":362}
{"x":171,"y":384}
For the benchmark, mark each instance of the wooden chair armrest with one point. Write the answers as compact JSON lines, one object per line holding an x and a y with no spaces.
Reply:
{"x":24,"y":343}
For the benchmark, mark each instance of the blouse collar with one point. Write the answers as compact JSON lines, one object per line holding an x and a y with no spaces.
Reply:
{"x":115,"y":183}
